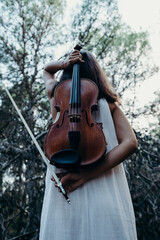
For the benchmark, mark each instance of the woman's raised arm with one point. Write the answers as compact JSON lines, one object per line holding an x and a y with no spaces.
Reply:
{"x":51,"y":68}
{"x":49,"y":75}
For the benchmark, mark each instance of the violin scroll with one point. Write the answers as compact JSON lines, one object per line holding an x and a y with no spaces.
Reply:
{"x":78,"y":47}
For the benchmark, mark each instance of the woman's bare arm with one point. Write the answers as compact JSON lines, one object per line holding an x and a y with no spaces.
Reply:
{"x":126,"y":139}
{"x":127,"y":145}
{"x":49,"y":75}
{"x":51,"y":68}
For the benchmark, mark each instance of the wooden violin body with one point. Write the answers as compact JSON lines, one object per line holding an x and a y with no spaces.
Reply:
{"x":75,"y":139}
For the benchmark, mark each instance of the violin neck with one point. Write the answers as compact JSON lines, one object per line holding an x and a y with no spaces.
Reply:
{"x":75,"y":97}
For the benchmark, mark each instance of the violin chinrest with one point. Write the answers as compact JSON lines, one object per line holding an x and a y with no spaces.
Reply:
{"x":66,"y":157}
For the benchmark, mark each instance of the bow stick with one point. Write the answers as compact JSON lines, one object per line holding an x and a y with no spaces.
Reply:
{"x":59,"y":184}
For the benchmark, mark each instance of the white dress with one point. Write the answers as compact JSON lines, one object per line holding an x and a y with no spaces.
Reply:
{"x":101,"y":209}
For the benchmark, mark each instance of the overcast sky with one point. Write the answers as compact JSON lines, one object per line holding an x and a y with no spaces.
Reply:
{"x":140,"y":15}
{"x":145,"y":15}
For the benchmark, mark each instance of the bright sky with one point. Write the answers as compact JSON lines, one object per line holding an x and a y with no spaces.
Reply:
{"x":145,"y":15}
{"x":140,"y":15}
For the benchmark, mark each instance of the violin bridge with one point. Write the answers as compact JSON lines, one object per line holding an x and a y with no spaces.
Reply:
{"x":74,"y":117}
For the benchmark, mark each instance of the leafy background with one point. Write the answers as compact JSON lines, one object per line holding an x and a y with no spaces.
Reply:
{"x":31,"y":32}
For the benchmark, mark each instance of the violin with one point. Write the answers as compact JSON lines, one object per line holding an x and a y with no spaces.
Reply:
{"x":75,"y":140}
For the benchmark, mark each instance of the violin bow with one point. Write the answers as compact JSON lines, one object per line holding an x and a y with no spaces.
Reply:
{"x":59,"y":184}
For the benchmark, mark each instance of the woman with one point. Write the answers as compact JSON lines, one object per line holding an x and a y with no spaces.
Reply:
{"x":101,"y":207}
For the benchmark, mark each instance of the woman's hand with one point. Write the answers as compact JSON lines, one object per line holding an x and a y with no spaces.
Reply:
{"x":72,"y":180}
{"x":73,"y":58}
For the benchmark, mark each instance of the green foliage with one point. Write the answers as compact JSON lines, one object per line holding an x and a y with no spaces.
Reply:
{"x":119,"y":50}
{"x":144,"y":182}
{"x":142,"y":170}
{"x":27,"y":29}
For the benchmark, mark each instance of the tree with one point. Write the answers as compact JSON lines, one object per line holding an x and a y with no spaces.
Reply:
{"x":120,"y":51}
{"x":29,"y":30}
{"x":123,"y":55}
{"x":143,"y":175}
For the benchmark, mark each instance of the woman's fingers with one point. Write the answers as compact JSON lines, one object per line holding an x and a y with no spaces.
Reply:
{"x":75,"y":57}
{"x":52,"y":178}
{"x":75,"y":52}
{"x":75,"y":60}
{"x":59,"y":175}
{"x":69,"y":180}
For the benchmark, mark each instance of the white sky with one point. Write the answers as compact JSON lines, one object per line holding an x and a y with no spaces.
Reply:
{"x":140,"y":15}
{"x":145,"y":15}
